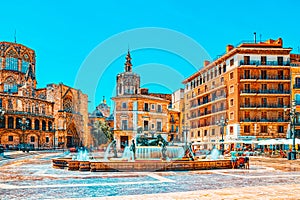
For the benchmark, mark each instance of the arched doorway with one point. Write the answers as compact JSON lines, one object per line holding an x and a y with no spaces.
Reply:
{"x":73,"y":139}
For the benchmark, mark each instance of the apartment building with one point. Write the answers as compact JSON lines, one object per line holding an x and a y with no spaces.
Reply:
{"x":248,"y":88}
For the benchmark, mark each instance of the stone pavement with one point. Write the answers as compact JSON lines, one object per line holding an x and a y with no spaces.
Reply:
{"x":262,"y":192}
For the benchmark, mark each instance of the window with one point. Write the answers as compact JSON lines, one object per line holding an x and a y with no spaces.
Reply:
{"x":247,"y":87}
{"x":24,"y":66}
{"x":10,"y":122}
{"x":11,"y":64}
{"x":192,"y":134}
{"x":205,"y":132}
{"x":37,"y":124}
{"x":198,"y":133}
{"x":264,"y":102}
{"x":280,"y":129}
{"x":297,"y":82}
{"x":222,"y":79}
{"x":152,"y":106}
{"x":231,"y":102}
{"x":10,"y":85}
{"x":220,"y":70}
{"x":124,"y":105}
{"x":263,"y":74}
{"x":247,"y":101}
{"x":212,"y":131}
{"x":124,"y":124}
{"x":280,"y":116}
{"x":47,"y":139}
{"x":231,"y":90}
{"x":247,"y":129}
{"x":10,"y":138}
{"x":280,"y":74}
{"x":280,"y":87}
{"x":263,"y":60}
{"x":280,"y":60}
{"x":247,"y":115}
{"x":158,"y":125}
{"x":231,"y":116}
{"x":146,"y":125}
{"x":224,"y":68}
{"x":43,"y":125}
{"x":264,"y":129}
{"x":247,"y":74}
{"x":264,"y":87}
{"x":246,"y":60}
{"x":264,"y":115}
{"x":231,"y":75}
{"x":297,"y":99}
{"x":67,"y":105}
{"x":231,"y":62}
{"x":146,"y":108}
{"x":280,"y":102}
{"x":231,"y":130}
{"x":32,"y":139}
{"x":159,"y":109}
{"x":50,"y":126}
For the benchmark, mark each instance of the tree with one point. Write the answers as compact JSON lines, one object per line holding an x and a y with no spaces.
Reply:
{"x":101,"y":133}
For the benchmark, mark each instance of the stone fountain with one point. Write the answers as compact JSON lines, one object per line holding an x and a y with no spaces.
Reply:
{"x":146,"y":154}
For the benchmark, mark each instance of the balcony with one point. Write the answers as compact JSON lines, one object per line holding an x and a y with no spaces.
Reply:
{"x":296,"y":86}
{"x":256,"y":119}
{"x":16,"y":112}
{"x":274,"y":77}
{"x":268,"y":63}
{"x":273,"y":91}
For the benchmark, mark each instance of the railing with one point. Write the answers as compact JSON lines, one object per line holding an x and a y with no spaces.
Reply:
{"x":16,"y":112}
{"x":274,"y":91}
{"x":252,"y":91}
{"x":265,"y":77}
{"x":253,"y":105}
{"x":256,"y":119}
{"x":270,"y":63}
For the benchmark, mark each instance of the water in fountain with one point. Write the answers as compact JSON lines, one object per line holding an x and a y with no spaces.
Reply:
{"x":82,"y":155}
{"x":127,"y":154}
{"x":107,"y":151}
{"x":214,"y":154}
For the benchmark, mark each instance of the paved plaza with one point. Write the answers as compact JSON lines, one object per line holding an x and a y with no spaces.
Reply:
{"x":31,"y":176}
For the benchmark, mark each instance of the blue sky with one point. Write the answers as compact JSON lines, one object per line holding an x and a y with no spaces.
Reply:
{"x":70,"y":37}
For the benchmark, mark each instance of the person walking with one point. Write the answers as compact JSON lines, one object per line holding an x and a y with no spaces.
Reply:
{"x":132,"y":148}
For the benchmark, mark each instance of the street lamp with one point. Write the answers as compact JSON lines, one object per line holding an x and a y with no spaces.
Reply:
{"x":223,"y":122}
{"x":24,"y":123}
{"x":54,"y":139}
{"x":293,"y":116}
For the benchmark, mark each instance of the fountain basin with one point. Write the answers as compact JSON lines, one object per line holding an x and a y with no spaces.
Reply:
{"x":145,"y":165}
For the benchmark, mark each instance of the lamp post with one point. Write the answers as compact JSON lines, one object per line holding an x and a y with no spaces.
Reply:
{"x":24,"y":123}
{"x":54,"y":139}
{"x":222,"y":123}
{"x":293,"y":116}
{"x":185,"y":130}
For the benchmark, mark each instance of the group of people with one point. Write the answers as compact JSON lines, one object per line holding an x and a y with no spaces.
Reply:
{"x":239,"y":159}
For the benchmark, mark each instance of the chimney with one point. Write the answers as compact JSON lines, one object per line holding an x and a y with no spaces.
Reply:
{"x":206,"y":62}
{"x":229,"y":47}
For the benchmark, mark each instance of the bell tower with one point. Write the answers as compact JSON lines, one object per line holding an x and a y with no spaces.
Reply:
{"x":128,"y":83}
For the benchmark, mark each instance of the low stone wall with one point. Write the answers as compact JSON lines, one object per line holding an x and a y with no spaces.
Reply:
{"x":60,"y":163}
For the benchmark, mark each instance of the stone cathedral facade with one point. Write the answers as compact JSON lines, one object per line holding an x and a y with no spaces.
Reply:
{"x":54,"y":116}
